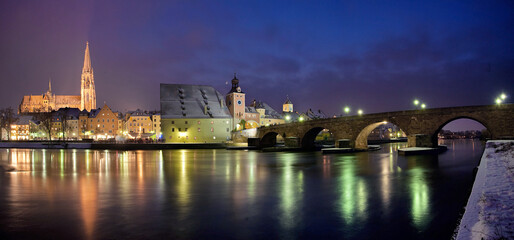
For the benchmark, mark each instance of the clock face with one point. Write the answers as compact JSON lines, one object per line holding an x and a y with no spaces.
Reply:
{"x":239,"y":102}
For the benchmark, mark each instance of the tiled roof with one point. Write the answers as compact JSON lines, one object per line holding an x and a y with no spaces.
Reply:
{"x":192,"y":101}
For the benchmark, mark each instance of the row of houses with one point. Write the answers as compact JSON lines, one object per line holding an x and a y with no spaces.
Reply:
{"x":73,"y":124}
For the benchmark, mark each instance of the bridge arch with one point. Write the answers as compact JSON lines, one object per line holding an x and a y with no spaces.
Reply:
{"x":361,"y":141}
{"x":434,"y":135}
{"x":309,"y":138}
{"x":268,"y":140}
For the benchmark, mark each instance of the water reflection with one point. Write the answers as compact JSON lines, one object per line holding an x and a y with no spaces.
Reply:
{"x":420,"y":196}
{"x":353,"y":192}
{"x":290,"y":191}
{"x":242,"y":194}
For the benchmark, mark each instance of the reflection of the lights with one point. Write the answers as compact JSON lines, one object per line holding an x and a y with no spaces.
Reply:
{"x":419,"y":196}
{"x":88,"y":200}
{"x":251,"y":175}
{"x":183,"y":187}
{"x":74,"y":159}
{"x":354,"y":196}
{"x":291,"y":191}
{"x":326,"y":167}
{"x":385,"y":180}
{"x":61,"y":160}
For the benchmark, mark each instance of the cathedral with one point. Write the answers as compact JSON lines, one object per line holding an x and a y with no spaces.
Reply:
{"x":48,"y":101}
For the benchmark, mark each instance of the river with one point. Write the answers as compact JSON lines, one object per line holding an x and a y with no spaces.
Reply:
{"x":228,"y":194}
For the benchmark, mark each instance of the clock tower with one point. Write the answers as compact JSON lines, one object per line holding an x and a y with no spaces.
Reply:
{"x":236,"y":102}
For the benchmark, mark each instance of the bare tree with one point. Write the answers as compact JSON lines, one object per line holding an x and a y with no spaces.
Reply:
{"x":45,"y":121}
{"x":7,"y":118}
{"x":64,"y":117}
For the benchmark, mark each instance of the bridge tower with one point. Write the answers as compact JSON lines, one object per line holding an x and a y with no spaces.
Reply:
{"x":287,"y":107}
{"x":236,"y":102}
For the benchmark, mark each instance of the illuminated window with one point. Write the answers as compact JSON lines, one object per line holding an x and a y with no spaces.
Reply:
{"x":198,"y":122}
{"x":212,"y":129}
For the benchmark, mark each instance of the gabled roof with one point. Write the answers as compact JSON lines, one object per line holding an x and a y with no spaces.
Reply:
{"x":192,"y":101}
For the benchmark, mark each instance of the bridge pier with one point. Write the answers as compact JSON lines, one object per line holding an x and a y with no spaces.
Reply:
{"x":292,"y":142}
{"x":420,"y":140}
{"x":344,"y":143}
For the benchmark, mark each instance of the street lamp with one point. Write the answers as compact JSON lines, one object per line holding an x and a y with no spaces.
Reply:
{"x":501,"y":99}
{"x":423,"y":106}
{"x":416,"y":102}
{"x":360,"y":112}
{"x":346,"y":109}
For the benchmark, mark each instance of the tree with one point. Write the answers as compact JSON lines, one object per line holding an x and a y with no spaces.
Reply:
{"x":242,"y":123}
{"x":7,"y":118}
{"x":45,"y":121}
{"x":64,"y":118}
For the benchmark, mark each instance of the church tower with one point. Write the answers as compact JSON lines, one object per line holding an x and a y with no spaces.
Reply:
{"x":236,"y":102}
{"x":87,"y":86}
{"x":287,"y":107}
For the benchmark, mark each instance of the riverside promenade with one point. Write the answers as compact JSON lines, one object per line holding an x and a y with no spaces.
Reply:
{"x":490,"y":209}
{"x":110,"y":146}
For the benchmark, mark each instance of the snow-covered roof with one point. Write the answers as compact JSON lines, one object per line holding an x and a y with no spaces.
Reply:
{"x":192,"y":101}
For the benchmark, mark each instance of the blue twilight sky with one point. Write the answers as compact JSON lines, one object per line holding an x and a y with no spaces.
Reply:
{"x":374,"y":55}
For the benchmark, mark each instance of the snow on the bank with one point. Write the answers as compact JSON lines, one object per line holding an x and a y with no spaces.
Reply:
{"x":490,"y":209}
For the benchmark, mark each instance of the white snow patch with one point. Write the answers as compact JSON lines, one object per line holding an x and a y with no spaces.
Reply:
{"x":490,"y":209}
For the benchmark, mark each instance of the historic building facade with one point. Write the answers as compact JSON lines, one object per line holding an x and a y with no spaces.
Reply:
{"x":194,"y":114}
{"x":48,"y":101}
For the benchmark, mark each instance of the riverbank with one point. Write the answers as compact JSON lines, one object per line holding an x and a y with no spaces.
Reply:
{"x":109,"y":146}
{"x":490,"y":209}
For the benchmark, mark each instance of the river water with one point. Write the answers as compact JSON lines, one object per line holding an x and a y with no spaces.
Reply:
{"x":222,"y":194}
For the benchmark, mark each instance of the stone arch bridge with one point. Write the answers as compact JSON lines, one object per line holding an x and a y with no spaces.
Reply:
{"x":421,"y":126}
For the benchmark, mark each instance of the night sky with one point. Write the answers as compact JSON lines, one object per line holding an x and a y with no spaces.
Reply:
{"x":376,"y":55}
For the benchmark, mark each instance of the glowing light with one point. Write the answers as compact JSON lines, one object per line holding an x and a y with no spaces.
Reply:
{"x":346,"y":109}
{"x":360,"y":112}
{"x":503,"y":96}
{"x":300,"y":119}
{"x":498,"y":101}
{"x":423,"y":106}
{"x":416,"y":102}
{"x":288,"y":117}
{"x":182,"y":134}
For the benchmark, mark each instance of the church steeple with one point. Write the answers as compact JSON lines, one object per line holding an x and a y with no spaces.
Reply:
{"x":87,"y":86}
{"x":87,"y":60}
{"x":49,"y":85}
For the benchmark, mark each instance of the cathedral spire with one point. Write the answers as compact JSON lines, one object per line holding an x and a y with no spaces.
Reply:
{"x":49,"y":85}
{"x":87,"y":89}
{"x":87,"y":60}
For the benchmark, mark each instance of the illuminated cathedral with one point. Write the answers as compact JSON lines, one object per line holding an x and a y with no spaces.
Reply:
{"x":48,"y":101}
